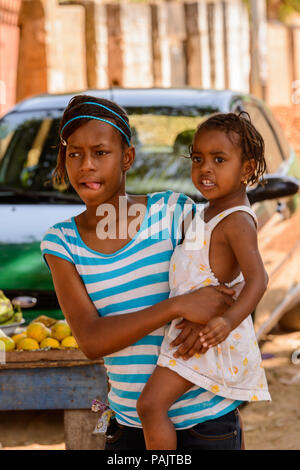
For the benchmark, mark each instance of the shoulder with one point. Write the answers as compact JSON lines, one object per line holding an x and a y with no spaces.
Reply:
{"x":239,"y":220}
{"x":239,"y":226}
{"x":58,"y":239}
{"x":60,"y":229}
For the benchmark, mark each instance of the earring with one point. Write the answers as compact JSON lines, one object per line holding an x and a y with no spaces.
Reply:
{"x":245,"y":181}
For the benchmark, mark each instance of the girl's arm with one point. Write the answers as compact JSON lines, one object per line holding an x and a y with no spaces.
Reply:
{"x":240,"y":232}
{"x":99,"y":336}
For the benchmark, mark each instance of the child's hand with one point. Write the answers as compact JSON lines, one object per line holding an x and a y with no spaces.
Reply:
{"x":215,"y":331}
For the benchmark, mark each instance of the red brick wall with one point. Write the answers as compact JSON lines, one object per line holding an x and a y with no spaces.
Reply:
{"x":9,"y":47}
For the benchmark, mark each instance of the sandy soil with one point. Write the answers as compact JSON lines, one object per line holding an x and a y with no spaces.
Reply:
{"x":274,"y":425}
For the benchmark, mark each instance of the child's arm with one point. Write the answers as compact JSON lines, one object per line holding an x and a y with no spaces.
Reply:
{"x":240,"y":232}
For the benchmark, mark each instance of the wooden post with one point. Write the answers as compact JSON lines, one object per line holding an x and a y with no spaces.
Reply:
{"x":258,"y":48}
{"x":156,"y":47}
{"x":115,"y":53}
{"x":176,"y":36}
{"x":96,"y":45}
{"x":211,"y":42}
{"x":225,"y":45}
{"x":193,"y":45}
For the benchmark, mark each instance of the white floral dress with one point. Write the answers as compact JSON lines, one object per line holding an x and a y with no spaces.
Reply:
{"x":233,"y":368}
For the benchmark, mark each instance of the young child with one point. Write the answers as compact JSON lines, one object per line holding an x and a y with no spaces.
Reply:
{"x":227,"y":153}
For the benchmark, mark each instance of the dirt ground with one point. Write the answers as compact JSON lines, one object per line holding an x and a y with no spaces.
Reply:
{"x":267,"y":425}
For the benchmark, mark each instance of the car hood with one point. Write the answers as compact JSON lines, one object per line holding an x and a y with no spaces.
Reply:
{"x":22,"y":229}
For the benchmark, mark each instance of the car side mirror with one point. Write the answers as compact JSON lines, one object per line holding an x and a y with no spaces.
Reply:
{"x":275,"y":187}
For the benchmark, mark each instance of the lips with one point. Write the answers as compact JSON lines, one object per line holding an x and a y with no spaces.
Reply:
{"x":207,"y":183}
{"x":93,"y":185}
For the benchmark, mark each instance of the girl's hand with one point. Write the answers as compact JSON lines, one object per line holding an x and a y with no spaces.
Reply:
{"x":216,"y":331}
{"x":203,"y":304}
{"x":188,"y":338}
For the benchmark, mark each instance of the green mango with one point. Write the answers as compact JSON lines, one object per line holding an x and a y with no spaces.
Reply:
{"x":6,"y":308}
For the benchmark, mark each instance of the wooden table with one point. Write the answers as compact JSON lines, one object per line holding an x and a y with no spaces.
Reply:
{"x":56,"y":379}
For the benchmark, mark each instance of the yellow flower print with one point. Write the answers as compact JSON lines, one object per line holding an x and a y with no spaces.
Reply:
{"x":231,"y":347}
{"x":207,"y":281}
{"x":204,"y":243}
{"x":261,"y":385}
{"x":172,"y":362}
{"x":197,"y":355}
{"x":237,"y":336}
{"x":245,"y":361}
{"x":202,"y":267}
{"x":221,"y":215}
{"x":215,"y":389}
{"x":254,"y":398}
{"x":196,"y":368}
{"x":219,"y":350}
{"x":174,"y":267}
{"x":235,"y":370}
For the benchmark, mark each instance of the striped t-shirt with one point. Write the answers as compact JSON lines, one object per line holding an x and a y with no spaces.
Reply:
{"x":131,"y":279}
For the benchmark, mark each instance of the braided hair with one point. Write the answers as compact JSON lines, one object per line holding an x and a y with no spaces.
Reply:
{"x":78,"y":106}
{"x":250,"y":140}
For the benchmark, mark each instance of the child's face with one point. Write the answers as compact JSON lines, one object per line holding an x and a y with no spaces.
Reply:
{"x":217,"y":166}
{"x":96,"y":163}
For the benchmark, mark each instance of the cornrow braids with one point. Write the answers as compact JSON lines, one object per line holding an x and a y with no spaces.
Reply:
{"x":250,"y":140}
{"x":83,"y":105}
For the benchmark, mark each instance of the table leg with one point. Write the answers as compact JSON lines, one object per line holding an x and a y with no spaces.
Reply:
{"x":79,"y":426}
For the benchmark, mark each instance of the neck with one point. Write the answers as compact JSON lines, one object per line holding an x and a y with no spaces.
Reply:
{"x":115,"y":208}
{"x":238,"y":198}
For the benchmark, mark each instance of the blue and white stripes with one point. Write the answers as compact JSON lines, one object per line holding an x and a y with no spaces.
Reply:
{"x":131,"y":279}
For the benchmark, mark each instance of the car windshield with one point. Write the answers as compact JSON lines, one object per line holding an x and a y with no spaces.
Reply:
{"x":29,"y":147}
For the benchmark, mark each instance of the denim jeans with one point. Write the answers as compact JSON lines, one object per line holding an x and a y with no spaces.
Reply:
{"x":223,"y":433}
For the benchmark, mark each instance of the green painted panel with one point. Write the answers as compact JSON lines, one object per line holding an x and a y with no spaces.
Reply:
{"x":22,"y":267}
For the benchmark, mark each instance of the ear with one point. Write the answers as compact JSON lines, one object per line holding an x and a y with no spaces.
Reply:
{"x":128,"y":158}
{"x":249,"y":167}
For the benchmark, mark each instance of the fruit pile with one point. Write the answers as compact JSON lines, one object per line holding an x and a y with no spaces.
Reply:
{"x":41,"y":333}
{"x":9,"y":314}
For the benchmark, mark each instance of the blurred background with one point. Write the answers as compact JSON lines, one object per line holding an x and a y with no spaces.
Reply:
{"x":249,"y":46}
{"x":245,"y":45}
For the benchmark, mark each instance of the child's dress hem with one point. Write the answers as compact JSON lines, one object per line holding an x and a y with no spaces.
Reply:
{"x":212,"y":385}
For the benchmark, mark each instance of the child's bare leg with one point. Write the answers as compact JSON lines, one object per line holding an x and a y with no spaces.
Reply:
{"x":160,"y":392}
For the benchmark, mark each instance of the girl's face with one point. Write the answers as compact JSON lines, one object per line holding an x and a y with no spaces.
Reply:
{"x":217,"y":167}
{"x":96,"y":162}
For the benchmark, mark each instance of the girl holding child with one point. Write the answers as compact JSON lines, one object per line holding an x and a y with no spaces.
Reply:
{"x":114,"y":289}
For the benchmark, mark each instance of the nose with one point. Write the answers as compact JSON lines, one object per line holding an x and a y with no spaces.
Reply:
{"x":87,"y":161}
{"x":206,"y":166}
